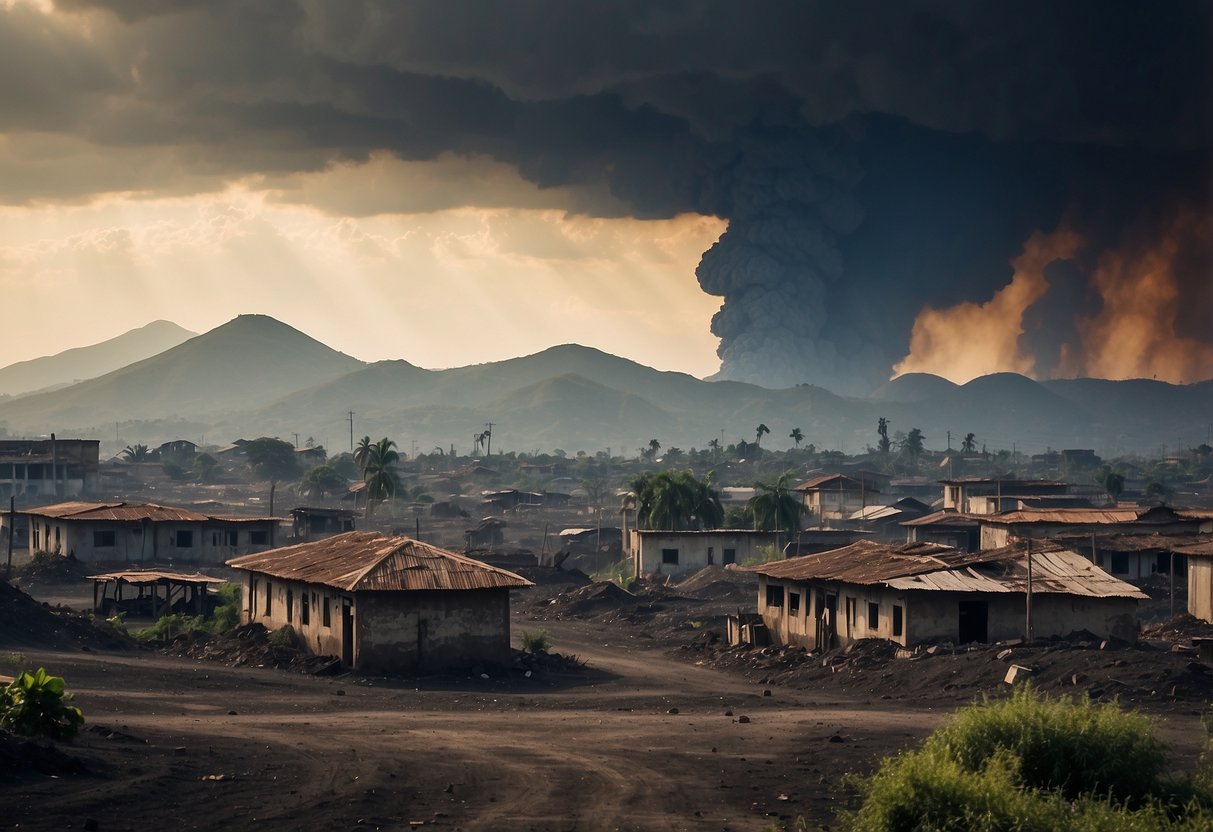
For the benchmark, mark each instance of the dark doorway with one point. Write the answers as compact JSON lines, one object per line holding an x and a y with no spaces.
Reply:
{"x":974,"y":620}
{"x":347,"y":633}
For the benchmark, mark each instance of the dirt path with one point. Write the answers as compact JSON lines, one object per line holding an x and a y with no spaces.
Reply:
{"x":600,"y":753}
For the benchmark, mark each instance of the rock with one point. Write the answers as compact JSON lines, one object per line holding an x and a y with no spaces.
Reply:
{"x":1017,"y":673}
{"x":766,"y":692}
{"x":1003,"y":655}
{"x":672,"y":711}
{"x":339,"y":692}
{"x":232,"y":713}
{"x":1078,"y":678}
{"x":903,"y":653}
{"x":835,"y":738}
{"x":180,"y":751}
{"x":729,"y":712}
{"x":527,"y":674}
{"x":743,"y":719}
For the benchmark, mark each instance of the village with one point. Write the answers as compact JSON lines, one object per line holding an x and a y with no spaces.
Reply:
{"x":739,"y":595}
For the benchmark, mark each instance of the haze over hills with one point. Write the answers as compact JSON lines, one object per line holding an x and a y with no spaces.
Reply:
{"x":82,"y":363}
{"x":256,"y":376}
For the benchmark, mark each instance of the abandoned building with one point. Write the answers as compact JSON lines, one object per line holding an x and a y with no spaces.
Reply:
{"x":987,"y":495}
{"x":139,"y":532}
{"x":925,"y":592}
{"x":837,"y":496}
{"x":56,"y":468}
{"x":383,"y":604}
{"x":1133,"y":557}
{"x":153,"y":593}
{"x":1200,"y":577}
{"x":657,"y":552}
{"x":314,"y":523}
{"x":998,"y":530}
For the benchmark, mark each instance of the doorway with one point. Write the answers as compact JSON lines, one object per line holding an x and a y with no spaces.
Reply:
{"x":347,"y":632}
{"x":974,"y":621}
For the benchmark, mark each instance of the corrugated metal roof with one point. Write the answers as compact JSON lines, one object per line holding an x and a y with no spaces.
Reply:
{"x":1200,"y":549}
{"x":875,"y":513}
{"x":117,"y":511}
{"x":357,"y":561}
{"x":945,"y":517}
{"x":819,"y":481}
{"x":136,"y":512}
{"x":143,"y":577}
{"x":929,"y":566}
{"x":1129,"y":542}
{"x":1066,"y":515}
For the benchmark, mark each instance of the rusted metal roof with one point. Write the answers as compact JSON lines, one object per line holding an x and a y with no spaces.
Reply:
{"x":1066,"y":515}
{"x":824,"y":479}
{"x":245,"y":518}
{"x":143,"y":577}
{"x":117,"y":511}
{"x":1201,"y":549}
{"x":357,"y":561}
{"x":1130,"y":542}
{"x":927,"y":566}
{"x":944,"y":518}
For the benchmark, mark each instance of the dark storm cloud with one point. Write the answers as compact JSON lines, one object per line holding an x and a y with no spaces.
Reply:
{"x":782,"y":117}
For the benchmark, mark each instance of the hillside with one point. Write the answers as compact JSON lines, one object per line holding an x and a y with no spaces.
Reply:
{"x":256,"y":376}
{"x":244,"y":363}
{"x":82,"y":363}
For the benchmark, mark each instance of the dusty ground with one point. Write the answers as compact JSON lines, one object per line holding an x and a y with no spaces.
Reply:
{"x":188,"y":744}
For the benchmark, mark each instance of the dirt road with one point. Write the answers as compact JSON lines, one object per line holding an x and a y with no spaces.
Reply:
{"x":603,"y":751}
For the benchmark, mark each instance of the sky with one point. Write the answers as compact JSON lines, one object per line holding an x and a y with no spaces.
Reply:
{"x":775,"y":192}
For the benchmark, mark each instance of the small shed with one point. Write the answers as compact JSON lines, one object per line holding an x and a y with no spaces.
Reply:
{"x":383,"y":604}
{"x":152,"y":593}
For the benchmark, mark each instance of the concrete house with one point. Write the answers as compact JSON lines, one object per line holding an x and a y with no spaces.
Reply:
{"x":987,"y":495}
{"x":137,"y":532}
{"x":998,"y":530}
{"x":309,"y":523}
{"x":657,"y":552}
{"x":1200,"y":577}
{"x":54,"y":468}
{"x":383,"y":604}
{"x":924,"y":592}
{"x":836,"y":496}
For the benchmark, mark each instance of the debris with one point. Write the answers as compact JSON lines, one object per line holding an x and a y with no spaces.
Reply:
{"x":1017,"y":673}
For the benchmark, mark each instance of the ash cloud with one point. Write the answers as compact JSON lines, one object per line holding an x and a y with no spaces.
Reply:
{"x":870,"y":157}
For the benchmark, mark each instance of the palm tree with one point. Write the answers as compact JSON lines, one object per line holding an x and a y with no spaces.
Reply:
{"x":776,"y":506}
{"x":654,"y":447}
{"x":796,"y":436}
{"x":380,"y":472}
{"x":714,"y":444}
{"x":362,"y":454}
{"x":882,"y":428}
{"x":136,"y":453}
{"x":969,"y":445}
{"x":758,"y":433}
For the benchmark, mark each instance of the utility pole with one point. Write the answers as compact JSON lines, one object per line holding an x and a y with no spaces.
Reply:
{"x":12,"y":530}
{"x":1029,"y":594}
{"x":488,"y":434}
{"x":296,"y":435}
{"x":351,"y":431}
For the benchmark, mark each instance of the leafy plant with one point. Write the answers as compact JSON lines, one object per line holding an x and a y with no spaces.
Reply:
{"x":535,"y":642}
{"x":285,"y":636}
{"x":35,"y":703}
{"x":15,"y":659}
{"x":619,"y":573}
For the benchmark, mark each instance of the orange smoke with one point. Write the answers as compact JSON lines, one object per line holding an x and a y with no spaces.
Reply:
{"x":968,"y":340}
{"x":1144,"y":287}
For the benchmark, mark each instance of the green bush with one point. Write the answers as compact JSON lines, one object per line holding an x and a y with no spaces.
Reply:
{"x":1029,"y":764}
{"x":285,"y":637}
{"x":620,"y":573}
{"x":169,"y":627}
{"x":35,"y":703}
{"x":535,"y":642}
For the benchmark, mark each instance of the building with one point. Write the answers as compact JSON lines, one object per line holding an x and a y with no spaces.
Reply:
{"x":315,"y":523}
{"x":144,"y":532}
{"x":55,"y":468}
{"x":1134,"y":557}
{"x":948,"y":528}
{"x":383,"y":604}
{"x":998,"y":530}
{"x":989,"y":495}
{"x":657,"y":552}
{"x":1200,"y":578}
{"x":884,"y":522}
{"x":836,"y":496}
{"x":923,"y":592}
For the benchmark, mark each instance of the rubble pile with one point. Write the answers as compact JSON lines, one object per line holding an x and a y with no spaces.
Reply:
{"x":251,"y":645}
{"x":542,"y":662}
{"x":52,"y":569}
{"x":719,"y":583}
{"x":1134,"y":673}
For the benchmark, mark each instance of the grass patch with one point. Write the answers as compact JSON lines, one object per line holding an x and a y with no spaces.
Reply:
{"x":225,"y":617}
{"x":535,"y":642}
{"x":620,"y":573}
{"x":1033,"y":764}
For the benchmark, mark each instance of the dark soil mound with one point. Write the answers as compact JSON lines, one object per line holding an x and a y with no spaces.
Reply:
{"x":251,"y":645}
{"x":25,"y":622}
{"x":53,"y":569}
{"x":591,"y":599}
{"x":21,"y":757}
{"x":1180,"y":628}
{"x":551,"y":576}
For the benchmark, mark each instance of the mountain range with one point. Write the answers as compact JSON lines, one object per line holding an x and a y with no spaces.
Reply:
{"x":256,"y":376}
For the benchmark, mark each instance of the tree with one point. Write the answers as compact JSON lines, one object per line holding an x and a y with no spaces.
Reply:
{"x":136,"y":453}
{"x":969,"y":445}
{"x":675,"y":500}
{"x":672,"y":455}
{"x":205,"y":466}
{"x":759,"y":432}
{"x":796,"y":436}
{"x":380,"y":472}
{"x":913,"y":445}
{"x":321,"y":481}
{"x":1114,"y":483}
{"x":362,"y":454}
{"x":882,"y":428}
{"x":714,"y":444}
{"x":651,"y":451}
{"x":776,"y":506}
{"x":273,"y":460}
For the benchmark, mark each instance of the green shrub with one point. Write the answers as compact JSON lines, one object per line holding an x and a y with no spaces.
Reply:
{"x":227,"y":614}
{"x":535,"y":642}
{"x":1029,"y":764}
{"x":169,"y":627}
{"x":285,"y":637}
{"x":620,"y":573}
{"x":1072,"y":746}
{"x":35,"y":703}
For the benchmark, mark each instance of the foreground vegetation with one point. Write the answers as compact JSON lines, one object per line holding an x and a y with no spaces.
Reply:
{"x":1030,"y":763}
{"x":36,"y":703}
{"x":225,"y":617}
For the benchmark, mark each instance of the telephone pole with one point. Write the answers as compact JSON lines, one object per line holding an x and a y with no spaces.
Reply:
{"x":351,"y":431}
{"x":488,"y":434}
